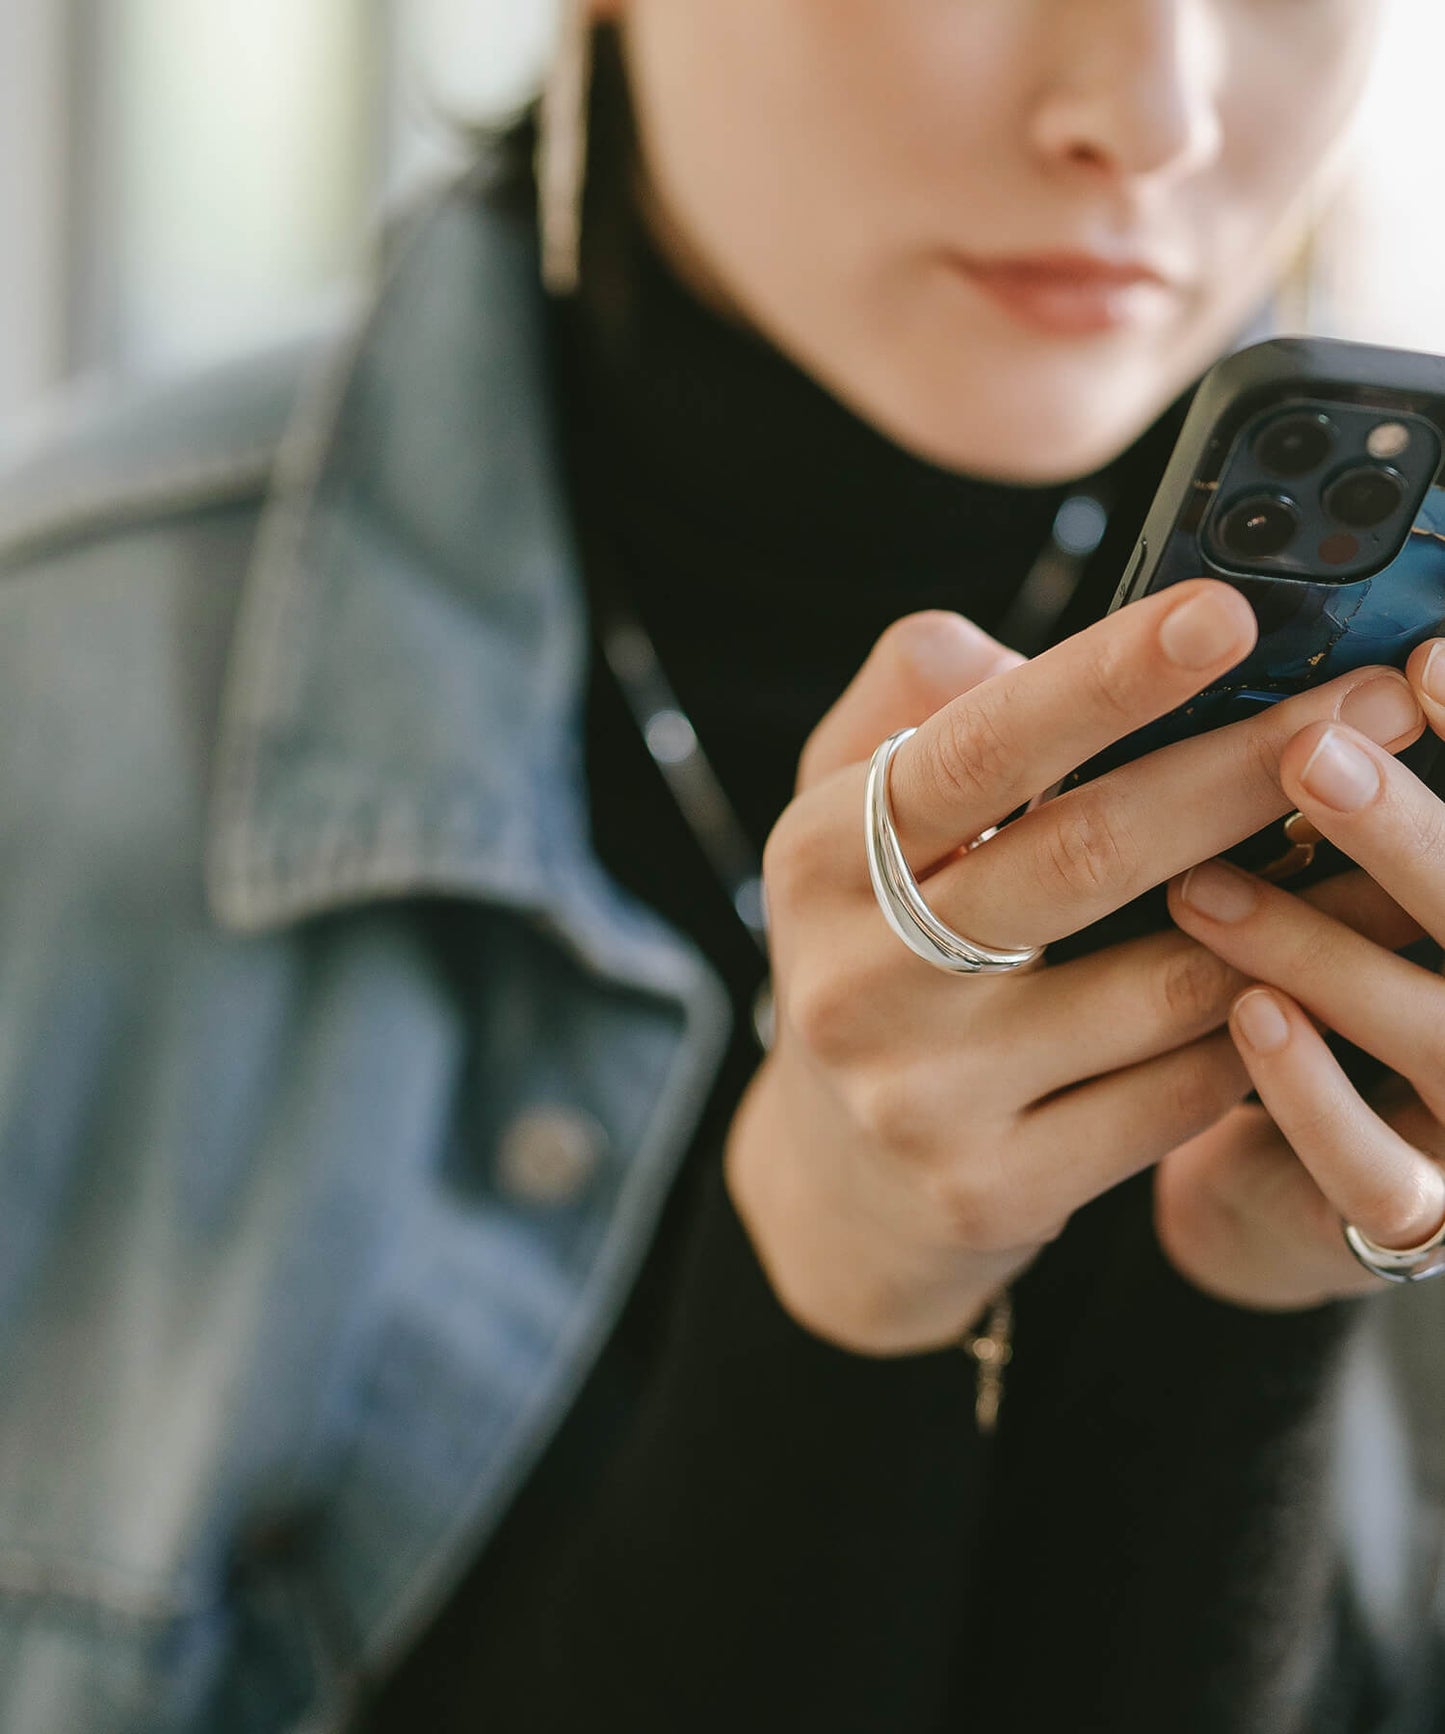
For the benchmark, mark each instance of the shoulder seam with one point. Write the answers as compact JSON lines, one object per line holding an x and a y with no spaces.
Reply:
{"x":81,"y":511}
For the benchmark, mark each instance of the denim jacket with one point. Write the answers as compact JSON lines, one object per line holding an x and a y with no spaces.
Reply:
{"x":304,"y":1249}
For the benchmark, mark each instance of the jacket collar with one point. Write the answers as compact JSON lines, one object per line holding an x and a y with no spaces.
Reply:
{"x":401,"y":705}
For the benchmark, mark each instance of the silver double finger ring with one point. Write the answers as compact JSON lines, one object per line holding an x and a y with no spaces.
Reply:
{"x":1404,"y":1264}
{"x":903,"y":904}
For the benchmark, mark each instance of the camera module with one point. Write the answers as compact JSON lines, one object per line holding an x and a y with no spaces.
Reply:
{"x":1259,"y":527}
{"x":1364,"y":499}
{"x":1295,"y":445}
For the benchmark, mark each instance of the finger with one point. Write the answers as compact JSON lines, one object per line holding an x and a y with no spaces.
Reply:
{"x":1375,"y":810}
{"x":1078,"y":858}
{"x":920,"y":664}
{"x":1242,"y":1217}
{"x":1140,"y":999}
{"x":992,"y":750}
{"x":1143,"y":998}
{"x":1426,"y":672}
{"x":1392,"y":1192}
{"x":1389,"y":1007}
{"x":1365,"y":906}
{"x":1088,"y":1139}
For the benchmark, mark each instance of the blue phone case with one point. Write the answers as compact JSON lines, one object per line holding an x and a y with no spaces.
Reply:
{"x":1313,"y":626}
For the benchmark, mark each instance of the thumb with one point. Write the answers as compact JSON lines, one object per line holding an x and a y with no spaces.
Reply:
{"x":920,"y":664}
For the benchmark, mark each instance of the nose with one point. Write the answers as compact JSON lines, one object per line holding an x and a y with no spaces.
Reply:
{"x":1133,"y":87}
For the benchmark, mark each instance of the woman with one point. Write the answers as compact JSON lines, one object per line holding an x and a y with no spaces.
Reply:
{"x":332,"y":1277}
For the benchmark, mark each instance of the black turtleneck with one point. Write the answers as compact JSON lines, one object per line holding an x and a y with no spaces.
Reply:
{"x":740,"y":1526}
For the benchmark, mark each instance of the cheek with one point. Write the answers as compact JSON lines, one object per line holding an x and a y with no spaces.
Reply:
{"x":1290,"y":95}
{"x":730,"y":142}
{"x":809,"y":137}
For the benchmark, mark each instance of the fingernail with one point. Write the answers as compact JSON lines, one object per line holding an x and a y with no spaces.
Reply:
{"x":1218,"y":892}
{"x":1384,"y":709}
{"x":1202,"y":630}
{"x":1260,"y":1021}
{"x":1339,"y":774}
{"x":1432,"y":676}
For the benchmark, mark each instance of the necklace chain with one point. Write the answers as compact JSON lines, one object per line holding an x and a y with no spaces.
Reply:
{"x":675,"y":749}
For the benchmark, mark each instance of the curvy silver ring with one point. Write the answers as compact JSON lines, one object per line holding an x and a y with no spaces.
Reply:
{"x":1399,"y":1264}
{"x":902,"y":902}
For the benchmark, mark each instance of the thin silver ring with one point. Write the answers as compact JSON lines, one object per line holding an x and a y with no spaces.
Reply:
{"x":1399,"y":1264}
{"x":903,"y":903}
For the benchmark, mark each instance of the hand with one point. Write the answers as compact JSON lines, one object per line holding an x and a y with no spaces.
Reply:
{"x":914,"y":1137}
{"x":1251,"y":1210}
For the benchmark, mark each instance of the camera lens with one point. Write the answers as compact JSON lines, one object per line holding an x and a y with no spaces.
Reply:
{"x":1363,"y":499}
{"x":1262,"y":525}
{"x":1295,"y":445}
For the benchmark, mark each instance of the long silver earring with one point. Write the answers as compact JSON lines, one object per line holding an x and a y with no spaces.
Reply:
{"x":562,"y":151}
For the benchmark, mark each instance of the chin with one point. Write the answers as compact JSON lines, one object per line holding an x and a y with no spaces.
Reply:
{"x":1040,"y":443}
{"x":1053,"y":420}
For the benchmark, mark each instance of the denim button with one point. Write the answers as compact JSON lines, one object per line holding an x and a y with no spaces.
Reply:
{"x":549,"y":1154}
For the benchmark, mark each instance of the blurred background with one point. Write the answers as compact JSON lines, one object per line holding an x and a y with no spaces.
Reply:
{"x":183,"y":178}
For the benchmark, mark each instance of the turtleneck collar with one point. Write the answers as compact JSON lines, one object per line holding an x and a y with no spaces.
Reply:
{"x":729,"y":441}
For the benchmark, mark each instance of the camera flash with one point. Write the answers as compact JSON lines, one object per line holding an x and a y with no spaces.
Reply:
{"x":1388,"y":440}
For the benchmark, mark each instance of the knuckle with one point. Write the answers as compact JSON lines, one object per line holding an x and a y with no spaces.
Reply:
{"x":1112,"y":681}
{"x":973,"y":755}
{"x":888,"y":1108}
{"x":974,"y":1212}
{"x":797,"y":854}
{"x":1263,"y":748}
{"x":823,"y":1010}
{"x":1087,"y":850}
{"x":1200,"y":1089}
{"x":778,"y":855}
{"x":913,"y":640}
{"x":1194,"y":988}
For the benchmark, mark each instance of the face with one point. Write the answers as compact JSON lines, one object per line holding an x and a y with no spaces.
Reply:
{"x":1007,"y":232}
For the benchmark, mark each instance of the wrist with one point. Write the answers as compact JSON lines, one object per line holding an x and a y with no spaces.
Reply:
{"x":835,"y":1263}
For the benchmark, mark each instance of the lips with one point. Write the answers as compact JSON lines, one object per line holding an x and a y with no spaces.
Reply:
{"x":1071,"y":294}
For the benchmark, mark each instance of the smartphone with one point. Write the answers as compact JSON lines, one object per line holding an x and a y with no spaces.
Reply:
{"x":1310,"y":475}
